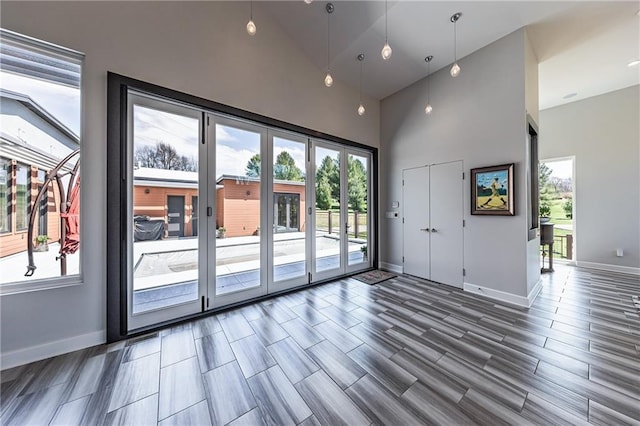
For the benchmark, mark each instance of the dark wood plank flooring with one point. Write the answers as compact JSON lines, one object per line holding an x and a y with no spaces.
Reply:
{"x":405,"y":351}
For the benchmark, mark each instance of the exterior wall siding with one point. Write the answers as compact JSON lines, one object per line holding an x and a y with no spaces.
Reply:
{"x":15,"y":241}
{"x":239,"y":206}
{"x":154,"y":204}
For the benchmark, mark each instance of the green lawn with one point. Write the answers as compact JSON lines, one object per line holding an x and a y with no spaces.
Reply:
{"x":559,"y":218}
{"x":557,"y":213}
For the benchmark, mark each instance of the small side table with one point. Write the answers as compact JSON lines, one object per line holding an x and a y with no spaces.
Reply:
{"x":546,"y":239}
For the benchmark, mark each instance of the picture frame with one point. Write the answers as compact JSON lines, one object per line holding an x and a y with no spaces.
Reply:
{"x":492,"y":190}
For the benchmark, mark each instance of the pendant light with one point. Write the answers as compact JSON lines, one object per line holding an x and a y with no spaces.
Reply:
{"x":428,"y":108}
{"x":308,"y":1}
{"x":386,"y":50}
{"x":455,"y":69}
{"x":328,"y":80}
{"x":361,"y":109}
{"x":251,"y":26}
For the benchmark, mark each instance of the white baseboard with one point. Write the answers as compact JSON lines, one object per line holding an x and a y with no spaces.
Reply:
{"x":505,"y":297}
{"x":608,"y":267}
{"x":391,"y":267}
{"x":47,"y":350}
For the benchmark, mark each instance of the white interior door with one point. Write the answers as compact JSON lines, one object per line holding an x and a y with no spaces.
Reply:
{"x":446,"y":210}
{"x":415,"y":199}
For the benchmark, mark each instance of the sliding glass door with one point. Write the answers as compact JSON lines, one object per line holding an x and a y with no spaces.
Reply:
{"x":222,"y":210}
{"x":288,"y":211}
{"x":165,"y":279}
{"x":342,"y":214}
{"x":237,"y":194}
{"x":360,"y":213}
{"x":328,"y":219}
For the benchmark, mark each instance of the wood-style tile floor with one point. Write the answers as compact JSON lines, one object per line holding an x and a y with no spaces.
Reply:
{"x":403,"y":352}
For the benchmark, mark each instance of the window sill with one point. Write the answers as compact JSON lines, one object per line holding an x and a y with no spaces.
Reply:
{"x":7,"y":289}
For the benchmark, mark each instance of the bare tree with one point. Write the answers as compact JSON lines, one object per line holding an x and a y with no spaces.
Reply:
{"x":164,"y":156}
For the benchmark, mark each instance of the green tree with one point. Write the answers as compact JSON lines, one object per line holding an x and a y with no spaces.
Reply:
{"x":546,"y":189}
{"x":323,"y":194}
{"x":544,"y":173}
{"x":329,"y":173}
{"x":286,"y":169}
{"x":253,"y":166}
{"x":357,"y":188}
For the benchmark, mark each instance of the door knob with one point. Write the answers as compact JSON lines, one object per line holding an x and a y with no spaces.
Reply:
{"x":424,"y":229}
{"x":434,"y":230}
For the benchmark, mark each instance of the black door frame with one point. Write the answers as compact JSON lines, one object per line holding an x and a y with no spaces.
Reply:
{"x":118,"y":87}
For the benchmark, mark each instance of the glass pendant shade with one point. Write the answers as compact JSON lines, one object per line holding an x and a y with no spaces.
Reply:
{"x":428,"y":109}
{"x":361,"y":109}
{"x":386,"y":51}
{"x":455,"y":70}
{"x":328,"y":80}
{"x":251,"y":27}
{"x":308,"y":1}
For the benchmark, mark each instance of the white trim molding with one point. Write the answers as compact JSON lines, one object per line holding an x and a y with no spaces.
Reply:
{"x":47,"y":350}
{"x":391,"y":267}
{"x":608,"y":267}
{"x":505,"y":297}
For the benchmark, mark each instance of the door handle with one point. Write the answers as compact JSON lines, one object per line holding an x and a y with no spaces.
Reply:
{"x":424,"y":229}
{"x":434,"y":230}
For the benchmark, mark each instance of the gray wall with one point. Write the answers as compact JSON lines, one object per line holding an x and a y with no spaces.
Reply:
{"x":478,"y":117}
{"x":603,"y":134}
{"x":200,"y":48}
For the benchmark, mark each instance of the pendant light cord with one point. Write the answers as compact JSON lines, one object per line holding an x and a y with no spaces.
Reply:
{"x":361,"y":81}
{"x":328,"y":41}
{"x":428,"y":82}
{"x":386,"y":26}
{"x":251,"y":11}
{"x":455,"y":41}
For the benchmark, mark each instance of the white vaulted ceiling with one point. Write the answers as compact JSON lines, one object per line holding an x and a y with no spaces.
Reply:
{"x":583,"y":47}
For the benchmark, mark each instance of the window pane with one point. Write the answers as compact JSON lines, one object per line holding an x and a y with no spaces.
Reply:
{"x":5,"y":195}
{"x":358,"y":218}
{"x":238,"y":171}
{"x":22,"y":196}
{"x":40,"y":115}
{"x":165,"y":183}
{"x":328,"y":227}
{"x":289,"y":184}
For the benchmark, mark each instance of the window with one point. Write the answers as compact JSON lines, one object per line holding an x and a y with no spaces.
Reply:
{"x":40,"y":114}
{"x":22,"y":196}
{"x":5,"y":195}
{"x":43,"y":224}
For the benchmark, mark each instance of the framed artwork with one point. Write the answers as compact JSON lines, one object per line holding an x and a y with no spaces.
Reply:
{"x":492,"y":190}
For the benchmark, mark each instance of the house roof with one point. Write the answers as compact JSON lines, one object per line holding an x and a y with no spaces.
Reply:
{"x":31,"y":135}
{"x":256,"y":179}
{"x":146,"y":176}
{"x":35,"y":107}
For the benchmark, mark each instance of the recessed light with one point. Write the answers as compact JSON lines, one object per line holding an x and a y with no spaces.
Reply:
{"x":569,"y":95}
{"x":633,"y":63}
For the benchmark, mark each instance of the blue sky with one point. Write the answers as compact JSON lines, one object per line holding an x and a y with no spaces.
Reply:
{"x":234,"y":146}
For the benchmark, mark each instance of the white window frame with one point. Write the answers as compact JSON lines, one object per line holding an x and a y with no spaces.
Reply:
{"x":12,"y":38}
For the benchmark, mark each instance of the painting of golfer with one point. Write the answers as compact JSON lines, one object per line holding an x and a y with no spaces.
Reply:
{"x":492,"y":190}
